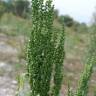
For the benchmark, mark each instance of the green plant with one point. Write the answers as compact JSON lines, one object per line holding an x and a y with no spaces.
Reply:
{"x":58,"y":61}
{"x":23,"y":88}
{"x":83,"y":83}
{"x":45,"y":54}
{"x":69,"y":92}
{"x":88,"y":70}
{"x":95,"y":91}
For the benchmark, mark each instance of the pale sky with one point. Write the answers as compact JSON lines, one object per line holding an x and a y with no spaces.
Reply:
{"x":80,"y":10}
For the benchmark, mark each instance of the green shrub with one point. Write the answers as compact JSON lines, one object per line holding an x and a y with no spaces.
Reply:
{"x":45,"y":54}
{"x":83,"y":83}
{"x":88,"y":70}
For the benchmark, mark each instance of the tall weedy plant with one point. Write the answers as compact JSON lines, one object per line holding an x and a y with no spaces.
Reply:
{"x":90,"y":62}
{"x":44,"y":54}
{"x":58,"y":61}
{"x":83,"y":83}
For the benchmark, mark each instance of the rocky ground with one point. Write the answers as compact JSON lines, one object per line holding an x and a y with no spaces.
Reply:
{"x":8,"y":59}
{"x":9,"y":52}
